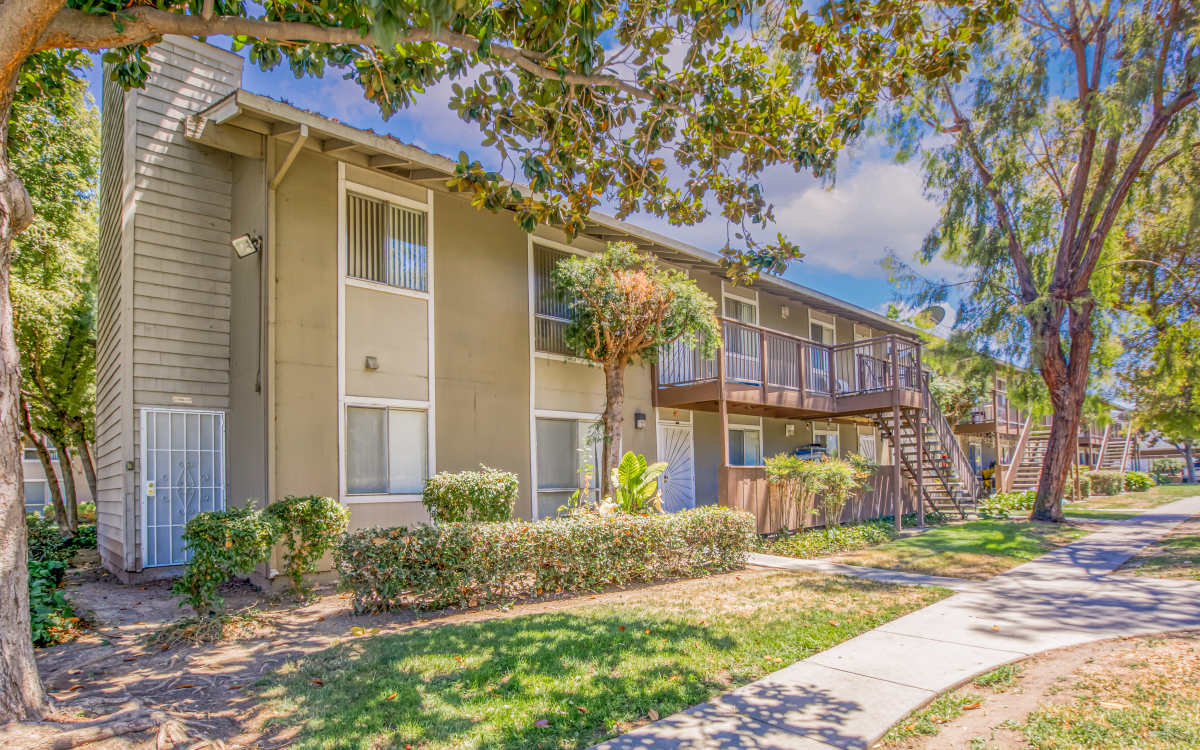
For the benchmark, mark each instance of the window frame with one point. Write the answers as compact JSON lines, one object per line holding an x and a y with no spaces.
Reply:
{"x":400,"y":201}
{"x":579,"y":418}
{"x":762,"y":448}
{"x":534,"y":242}
{"x":387,"y":404}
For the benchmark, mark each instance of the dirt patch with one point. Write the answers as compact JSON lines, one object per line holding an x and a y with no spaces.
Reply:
{"x":206,"y":687}
{"x":1176,"y":555}
{"x":1126,"y":675}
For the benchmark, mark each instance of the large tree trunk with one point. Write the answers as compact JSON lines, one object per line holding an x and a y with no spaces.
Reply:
{"x":70,"y":521}
{"x":21,"y":692}
{"x":88,"y":461}
{"x":612,"y":420}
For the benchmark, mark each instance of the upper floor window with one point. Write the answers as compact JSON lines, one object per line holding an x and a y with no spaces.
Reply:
{"x":386,"y":243}
{"x":552,"y":311}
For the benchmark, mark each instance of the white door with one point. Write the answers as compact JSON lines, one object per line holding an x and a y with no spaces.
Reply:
{"x":678,"y":482}
{"x":183,"y":474}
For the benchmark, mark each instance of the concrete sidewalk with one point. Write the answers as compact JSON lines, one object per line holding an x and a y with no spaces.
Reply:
{"x":851,"y":694}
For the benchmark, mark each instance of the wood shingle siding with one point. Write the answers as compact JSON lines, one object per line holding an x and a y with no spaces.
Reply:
{"x":165,"y":273}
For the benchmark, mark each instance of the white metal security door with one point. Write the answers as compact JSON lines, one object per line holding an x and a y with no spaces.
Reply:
{"x":183,"y":473}
{"x":678,"y":482}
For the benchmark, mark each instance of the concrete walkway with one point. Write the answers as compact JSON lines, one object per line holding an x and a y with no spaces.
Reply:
{"x":849,"y":695}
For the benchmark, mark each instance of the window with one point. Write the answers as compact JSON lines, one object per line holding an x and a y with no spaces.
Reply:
{"x":31,"y":454}
{"x":866,"y":447}
{"x":828,"y":439}
{"x":743,"y":311}
{"x":386,"y":451}
{"x":568,"y":456}
{"x":386,"y":243}
{"x":552,"y":311}
{"x":745,"y":446}
{"x":37,"y":496}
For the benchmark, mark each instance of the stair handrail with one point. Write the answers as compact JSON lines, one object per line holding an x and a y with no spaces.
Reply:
{"x":1099,"y":464}
{"x":945,"y":434}
{"x":1018,"y":456}
{"x":1125,"y":450}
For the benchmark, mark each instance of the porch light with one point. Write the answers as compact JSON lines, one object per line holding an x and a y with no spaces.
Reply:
{"x":246,"y":245}
{"x":639,"y":420}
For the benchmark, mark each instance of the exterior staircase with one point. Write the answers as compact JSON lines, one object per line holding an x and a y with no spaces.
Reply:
{"x":948,"y":482}
{"x":1114,"y":448}
{"x":1029,"y":467}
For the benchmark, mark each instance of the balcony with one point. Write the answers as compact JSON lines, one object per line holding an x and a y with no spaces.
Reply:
{"x":766,"y":372}
{"x":998,"y":416}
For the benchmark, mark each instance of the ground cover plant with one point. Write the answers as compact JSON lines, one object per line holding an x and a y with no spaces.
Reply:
{"x":975,"y":549}
{"x":572,"y":677}
{"x":809,"y":543}
{"x":470,"y":564}
{"x":1006,"y":504}
{"x":1138,"y":481}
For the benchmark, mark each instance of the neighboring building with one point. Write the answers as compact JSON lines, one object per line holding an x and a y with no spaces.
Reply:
{"x":385,"y":329}
{"x":37,"y":489}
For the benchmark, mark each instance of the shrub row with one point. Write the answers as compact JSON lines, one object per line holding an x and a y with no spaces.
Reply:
{"x":461,"y":565}
{"x":1004,"y":504}
{"x":484,"y":495}
{"x":1107,"y":482}
{"x":1138,"y":481}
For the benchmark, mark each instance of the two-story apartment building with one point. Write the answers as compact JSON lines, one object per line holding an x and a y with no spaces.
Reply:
{"x":289,"y":305}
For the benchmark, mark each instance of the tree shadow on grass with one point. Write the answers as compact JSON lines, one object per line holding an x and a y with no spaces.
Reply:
{"x":550,"y":680}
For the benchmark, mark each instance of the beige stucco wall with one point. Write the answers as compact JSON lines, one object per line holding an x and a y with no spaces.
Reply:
{"x":394,"y":329}
{"x":305,"y":329}
{"x":481,"y":341}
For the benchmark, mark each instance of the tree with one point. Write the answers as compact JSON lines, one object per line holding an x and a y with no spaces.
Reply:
{"x":623,"y":307}
{"x":1064,"y":116}
{"x":1160,"y":295}
{"x":585,"y":102}
{"x":54,"y":147}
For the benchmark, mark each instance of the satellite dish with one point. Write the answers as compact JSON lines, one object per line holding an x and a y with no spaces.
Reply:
{"x":935,"y":314}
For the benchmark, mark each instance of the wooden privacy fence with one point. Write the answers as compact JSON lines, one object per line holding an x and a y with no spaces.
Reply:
{"x":746,"y":488}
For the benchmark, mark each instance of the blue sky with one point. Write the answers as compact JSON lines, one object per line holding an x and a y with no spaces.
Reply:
{"x":876,"y":205}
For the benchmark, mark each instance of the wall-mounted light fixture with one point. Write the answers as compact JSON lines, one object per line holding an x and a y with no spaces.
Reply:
{"x":639,"y":420}
{"x":372,"y":363}
{"x":246,"y":245}
{"x":789,"y":429}
{"x":784,"y":311}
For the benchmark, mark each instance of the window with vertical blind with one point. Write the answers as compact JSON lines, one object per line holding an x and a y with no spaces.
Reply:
{"x":745,"y":446}
{"x":552,"y":311}
{"x":568,"y":456}
{"x":386,"y":243}
{"x":386,"y":450}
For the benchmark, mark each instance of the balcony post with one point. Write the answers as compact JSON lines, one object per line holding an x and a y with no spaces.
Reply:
{"x":897,"y":454}
{"x":722,"y":407}
{"x":762,"y":363}
{"x":926,"y":403}
{"x":802,"y":363}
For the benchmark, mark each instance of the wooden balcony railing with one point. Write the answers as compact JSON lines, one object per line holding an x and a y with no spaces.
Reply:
{"x":756,"y":356}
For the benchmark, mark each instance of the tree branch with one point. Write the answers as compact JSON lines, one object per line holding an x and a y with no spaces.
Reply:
{"x":73,"y":29}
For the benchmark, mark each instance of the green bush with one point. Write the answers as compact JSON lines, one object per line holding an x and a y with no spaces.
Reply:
{"x":831,"y":481}
{"x":1107,"y":482}
{"x":1166,"y":469}
{"x":49,"y":612}
{"x":222,"y":544}
{"x":308,"y":527}
{"x":1138,"y":481}
{"x":1085,"y":486}
{"x":484,"y":495}
{"x":470,"y":564}
{"x":1006,"y":504}
{"x":45,"y":542}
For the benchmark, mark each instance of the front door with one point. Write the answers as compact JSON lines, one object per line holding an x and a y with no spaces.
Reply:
{"x":183,"y":474}
{"x":678,"y":482}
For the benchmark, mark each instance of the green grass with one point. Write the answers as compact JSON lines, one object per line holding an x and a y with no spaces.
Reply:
{"x":1151,"y":498}
{"x":1176,"y":555}
{"x":976,"y":549}
{"x":928,"y":721}
{"x":1115,"y":515}
{"x":571,"y":677}
{"x":1000,"y":678}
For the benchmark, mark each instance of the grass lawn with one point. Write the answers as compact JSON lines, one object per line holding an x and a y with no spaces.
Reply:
{"x":810,"y":543}
{"x":1109,"y":515}
{"x":1151,"y":498}
{"x":975,"y":549}
{"x":1177,"y":555}
{"x":574,"y":676}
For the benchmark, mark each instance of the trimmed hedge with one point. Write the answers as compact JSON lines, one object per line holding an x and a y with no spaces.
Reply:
{"x":467,"y":565}
{"x":1107,"y":482}
{"x":485,"y":495}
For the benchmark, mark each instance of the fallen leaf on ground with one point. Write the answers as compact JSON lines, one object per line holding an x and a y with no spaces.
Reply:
{"x":236,"y":687}
{"x":972,"y":706}
{"x":73,"y":688}
{"x":391,"y":697}
{"x":581,"y":709}
{"x":317,"y":681}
